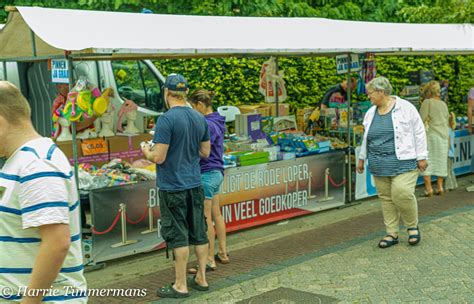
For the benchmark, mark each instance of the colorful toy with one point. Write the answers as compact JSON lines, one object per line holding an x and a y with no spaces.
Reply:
{"x":101,"y":103}
{"x":84,"y":101}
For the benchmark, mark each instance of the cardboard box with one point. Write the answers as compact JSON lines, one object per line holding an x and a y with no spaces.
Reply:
{"x":304,"y":111}
{"x":124,"y":147}
{"x":266,"y":109}
{"x":284,"y":109}
{"x":283,"y":123}
{"x":254,"y":108}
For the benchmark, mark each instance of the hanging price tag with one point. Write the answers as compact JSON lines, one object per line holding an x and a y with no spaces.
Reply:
{"x":94,"y":146}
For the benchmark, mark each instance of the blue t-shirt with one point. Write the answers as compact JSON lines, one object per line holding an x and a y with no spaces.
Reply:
{"x":183,"y":129}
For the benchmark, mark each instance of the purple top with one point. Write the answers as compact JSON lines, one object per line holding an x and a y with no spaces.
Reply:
{"x":216,"y":125}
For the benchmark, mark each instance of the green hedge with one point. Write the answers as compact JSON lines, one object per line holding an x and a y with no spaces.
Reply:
{"x":235,"y":80}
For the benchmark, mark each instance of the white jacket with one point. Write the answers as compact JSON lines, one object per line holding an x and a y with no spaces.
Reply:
{"x":408,"y":129}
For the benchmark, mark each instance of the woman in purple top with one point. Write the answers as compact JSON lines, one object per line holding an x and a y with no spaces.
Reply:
{"x":212,"y":175}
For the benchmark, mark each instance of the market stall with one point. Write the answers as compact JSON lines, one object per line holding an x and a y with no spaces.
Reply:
{"x":125,"y":218}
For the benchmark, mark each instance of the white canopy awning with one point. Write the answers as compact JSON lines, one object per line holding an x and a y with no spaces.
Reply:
{"x":111,"y":34}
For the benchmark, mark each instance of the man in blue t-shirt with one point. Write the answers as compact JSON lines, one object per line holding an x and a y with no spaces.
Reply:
{"x":181,"y":138}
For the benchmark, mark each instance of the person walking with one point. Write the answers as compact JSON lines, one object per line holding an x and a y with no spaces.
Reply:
{"x":181,"y":137}
{"x":435,"y":115}
{"x":394,"y":145}
{"x":212,"y":175}
{"x":40,"y":236}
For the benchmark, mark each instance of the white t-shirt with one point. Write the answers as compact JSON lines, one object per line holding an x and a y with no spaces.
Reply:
{"x":37,"y":187}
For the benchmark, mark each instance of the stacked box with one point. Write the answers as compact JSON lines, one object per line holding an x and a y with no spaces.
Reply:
{"x":251,"y":158}
{"x":254,"y":108}
{"x":302,"y":117}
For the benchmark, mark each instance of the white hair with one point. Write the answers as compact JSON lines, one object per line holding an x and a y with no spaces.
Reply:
{"x":380,"y":84}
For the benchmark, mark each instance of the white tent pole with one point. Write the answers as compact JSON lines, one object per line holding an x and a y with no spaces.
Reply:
{"x":5,"y":74}
{"x":349,"y":92}
{"x":276,"y":87}
{"x":33,"y":42}
{"x":73,"y":124}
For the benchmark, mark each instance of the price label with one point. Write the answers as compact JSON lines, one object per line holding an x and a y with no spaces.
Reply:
{"x":94,"y":146}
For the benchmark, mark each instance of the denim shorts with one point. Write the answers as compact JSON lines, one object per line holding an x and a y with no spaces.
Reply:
{"x":211,"y":182}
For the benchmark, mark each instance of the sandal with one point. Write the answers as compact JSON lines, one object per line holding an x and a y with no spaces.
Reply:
{"x":195,"y":269}
{"x":416,"y":237}
{"x":384,"y":243}
{"x":428,"y":194}
{"x":194,"y":285}
{"x":440,"y":192}
{"x":219,"y":259}
{"x":169,"y":292}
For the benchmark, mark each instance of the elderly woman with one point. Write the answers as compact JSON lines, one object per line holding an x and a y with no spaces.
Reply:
{"x":394,"y":144}
{"x":435,"y":114}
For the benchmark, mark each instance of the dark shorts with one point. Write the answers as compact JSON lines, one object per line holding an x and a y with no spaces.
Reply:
{"x":182,"y":217}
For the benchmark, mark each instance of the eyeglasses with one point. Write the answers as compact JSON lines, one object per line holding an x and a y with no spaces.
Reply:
{"x":371,"y":92}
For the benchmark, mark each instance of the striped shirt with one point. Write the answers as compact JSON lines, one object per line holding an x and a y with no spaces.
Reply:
{"x":381,"y":156}
{"x":37,"y":187}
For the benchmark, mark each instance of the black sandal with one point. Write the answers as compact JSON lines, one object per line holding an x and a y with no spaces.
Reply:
{"x":194,"y":285}
{"x":416,"y":237}
{"x":195,"y":269}
{"x":219,"y":259}
{"x":169,"y":292}
{"x":388,"y":243}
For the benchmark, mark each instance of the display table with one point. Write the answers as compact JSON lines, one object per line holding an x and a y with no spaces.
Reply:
{"x":251,"y":196}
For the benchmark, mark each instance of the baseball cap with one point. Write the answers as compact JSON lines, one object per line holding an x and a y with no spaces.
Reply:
{"x":176,"y":82}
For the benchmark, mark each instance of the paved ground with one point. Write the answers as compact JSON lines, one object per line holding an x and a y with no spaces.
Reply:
{"x":332,"y":254}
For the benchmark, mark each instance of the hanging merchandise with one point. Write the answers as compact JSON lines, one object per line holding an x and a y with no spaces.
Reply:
{"x":368,"y":71}
{"x":57,"y":112}
{"x":84,"y":101}
{"x":268,"y":80}
{"x":101,"y":103}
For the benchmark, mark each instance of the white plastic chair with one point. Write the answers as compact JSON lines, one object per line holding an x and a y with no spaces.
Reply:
{"x":228,"y":112}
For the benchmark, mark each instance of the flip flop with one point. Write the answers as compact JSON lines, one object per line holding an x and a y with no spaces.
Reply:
{"x":218,"y":258}
{"x":169,"y":292}
{"x":195,"y":269}
{"x":194,"y":285}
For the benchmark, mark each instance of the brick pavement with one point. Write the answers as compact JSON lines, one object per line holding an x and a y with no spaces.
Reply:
{"x":438,"y":270}
{"x":271,"y":256}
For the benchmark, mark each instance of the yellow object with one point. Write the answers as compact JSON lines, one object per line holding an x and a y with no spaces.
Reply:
{"x":121,"y":74}
{"x":68,"y":112}
{"x":101,"y":103}
{"x":315,"y":115}
{"x":84,"y":100}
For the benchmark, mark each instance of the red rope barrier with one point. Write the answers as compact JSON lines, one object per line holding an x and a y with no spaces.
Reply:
{"x":335,"y":184}
{"x":320,"y":185}
{"x":114,"y":223}
{"x":139,"y":220}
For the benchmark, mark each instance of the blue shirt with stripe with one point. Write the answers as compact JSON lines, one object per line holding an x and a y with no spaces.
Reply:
{"x":381,"y":156}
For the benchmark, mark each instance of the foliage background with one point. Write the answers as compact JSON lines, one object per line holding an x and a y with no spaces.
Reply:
{"x":236,"y":80}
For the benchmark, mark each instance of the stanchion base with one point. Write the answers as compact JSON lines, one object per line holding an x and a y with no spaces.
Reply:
{"x":129,"y":242}
{"x":325,"y":199}
{"x":312,"y":196}
{"x":149,"y":231}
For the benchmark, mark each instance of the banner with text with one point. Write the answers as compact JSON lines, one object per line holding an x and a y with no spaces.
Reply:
{"x":260,"y":194}
{"x":463,"y":153}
